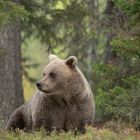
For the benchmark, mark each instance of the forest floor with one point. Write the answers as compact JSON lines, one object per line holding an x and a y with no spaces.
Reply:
{"x":91,"y":134}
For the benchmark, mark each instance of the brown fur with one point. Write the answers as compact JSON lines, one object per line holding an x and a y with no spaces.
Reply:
{"x":64,"y":100}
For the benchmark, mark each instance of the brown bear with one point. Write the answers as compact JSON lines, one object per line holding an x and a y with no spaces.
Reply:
{"x":64,"y":100}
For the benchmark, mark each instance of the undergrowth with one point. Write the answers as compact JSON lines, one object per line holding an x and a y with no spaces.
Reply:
{"x":91,"y":134}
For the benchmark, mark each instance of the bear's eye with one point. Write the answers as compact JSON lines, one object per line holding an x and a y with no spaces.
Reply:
{"x":43,"y":74}
{"x":51,"y":74}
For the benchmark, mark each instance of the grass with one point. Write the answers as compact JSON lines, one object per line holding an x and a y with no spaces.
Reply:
{"x":91,"y":134}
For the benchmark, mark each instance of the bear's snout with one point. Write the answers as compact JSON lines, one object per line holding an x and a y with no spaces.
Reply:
{"x":42,"y":86}
{"x":38,"y":85}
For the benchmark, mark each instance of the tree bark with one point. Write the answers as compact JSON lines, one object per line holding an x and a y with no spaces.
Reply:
{"x":11,"y":92}
{"x":110,"y":56}
{"x":114,"y":19}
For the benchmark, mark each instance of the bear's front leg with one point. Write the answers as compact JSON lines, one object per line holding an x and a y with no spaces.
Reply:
{"x":42,"y":124}
{"x":16,"y":120}
{"x":37,"y":124}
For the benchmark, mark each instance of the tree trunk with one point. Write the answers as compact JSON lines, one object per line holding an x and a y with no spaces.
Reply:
{"x":114,"y":19}
{"x":110,"y":21}
{"x":11,"y":92}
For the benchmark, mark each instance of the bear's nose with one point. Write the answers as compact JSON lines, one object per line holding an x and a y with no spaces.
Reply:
{"x":38,"y":85}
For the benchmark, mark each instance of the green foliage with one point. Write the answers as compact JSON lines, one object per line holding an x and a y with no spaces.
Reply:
{"x":127,"y":46}
{"x":11,"y":12}
{"x":131,"y":7}
{"x":63,"y":26}
{"x":118,"y":84}
{"x":117,"y":92}
{"x":115,"y":103}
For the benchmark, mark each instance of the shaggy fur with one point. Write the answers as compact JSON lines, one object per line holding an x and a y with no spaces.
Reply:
{"x":64,"y":100}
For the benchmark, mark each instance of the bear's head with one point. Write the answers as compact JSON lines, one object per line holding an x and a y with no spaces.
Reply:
{"x":61,"y":77}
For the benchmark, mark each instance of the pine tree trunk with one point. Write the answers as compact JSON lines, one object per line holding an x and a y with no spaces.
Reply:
{"x":11,"y":92}
{"x":110,"y":56}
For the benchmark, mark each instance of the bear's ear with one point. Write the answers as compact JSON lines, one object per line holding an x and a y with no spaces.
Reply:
{"x":71,"y":61}
{"x":52,"y":57}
